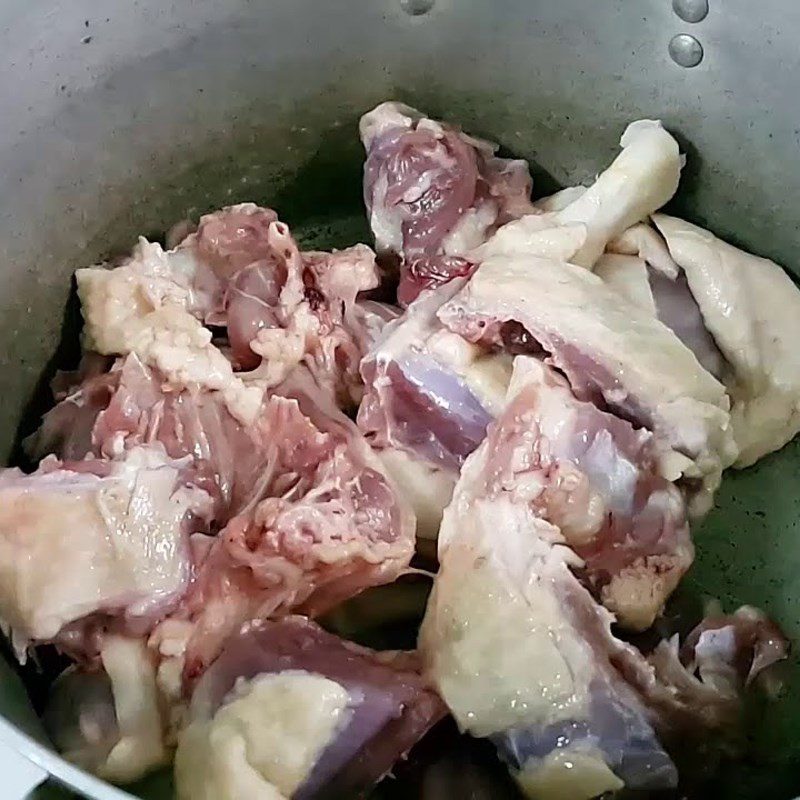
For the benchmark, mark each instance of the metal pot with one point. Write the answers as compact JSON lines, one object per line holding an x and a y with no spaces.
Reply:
{"x":121,"y":117}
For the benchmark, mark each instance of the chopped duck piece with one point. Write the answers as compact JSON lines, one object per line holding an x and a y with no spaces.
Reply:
{"x":291,"y":711}
{"x":596,"y":478}
{"x":717,"y":662}
{"x":433,"y":193}
{"x":108,"y":721}
{"x":523,"y":655}
{"x":324,"y":523}
{"x":266,"y":282}
{"x":642,"y":178}
{"x":133,"y":405}
{"x":95,"y":537}
{"x":314,"y":320}
{"x":612,"y":352}
{"x":518,"y":650}
{"x":751,"y":308}
{"x":282,"y":308}
{"x":577,"y":224}
{"x":430,"y":395}
{"x":123,"y":317}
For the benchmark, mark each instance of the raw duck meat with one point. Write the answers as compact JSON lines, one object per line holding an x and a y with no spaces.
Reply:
{"x":95,"y":537}
{"x":667,"y":297}
{"x":102,"y":413}
{"x":201,"y":485}
{"x":705,"y":676}
{"x":627,"y":275}
{"x":433,"y":193}
{"x":301,"y":309}
{"x":429,"y":397}
{"x":108,"y":720}
{"x":639,"y":265}
{"x":523,"y":655}
{"x":613,"y":353}
{"x":133,"y":404}
{"x":291,"y":711}
{"x":268,"y":285}
{"x":281,"y":308}
{"x":519,"y":650}
{"x":577,"y":224}
{"x":642,"y":178}
{"x":751,"y":308}
{"x":324,"y":523}
{"x":645,"y":242}
{"x":596,"y":478}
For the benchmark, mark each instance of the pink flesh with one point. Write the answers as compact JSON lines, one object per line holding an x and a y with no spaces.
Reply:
{"x":322,"y":525}
{"x":313,"y":297}
{"x":230,"y":239}
{"x":579,"y":454}
{"x":130,"y":405}
{"x":428,"y":272}
{"x":391,"y":706}
{"x":81,"y":638}
{"x":631,"y":696}
{"x":430,"y":177}
{"x":414,"y":400}
{"x":270,"y":286}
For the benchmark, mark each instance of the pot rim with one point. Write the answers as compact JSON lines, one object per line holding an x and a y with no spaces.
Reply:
{"x":56,"y":767}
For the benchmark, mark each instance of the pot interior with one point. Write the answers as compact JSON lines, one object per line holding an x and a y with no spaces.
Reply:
{"x":124,"y":120}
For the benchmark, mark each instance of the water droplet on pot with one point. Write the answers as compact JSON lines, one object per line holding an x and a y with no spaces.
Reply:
{"x":685,"y":50}
{"x":691,"y":10}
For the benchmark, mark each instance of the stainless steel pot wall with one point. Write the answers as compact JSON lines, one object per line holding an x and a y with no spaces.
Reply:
{"x":121,"y":117}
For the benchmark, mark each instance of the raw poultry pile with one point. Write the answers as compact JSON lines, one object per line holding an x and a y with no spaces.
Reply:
{"x":250,"y":441}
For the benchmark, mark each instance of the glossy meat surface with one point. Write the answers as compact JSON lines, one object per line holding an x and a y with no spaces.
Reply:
{"x":388,"y":705}
{"x":433,"y":193}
